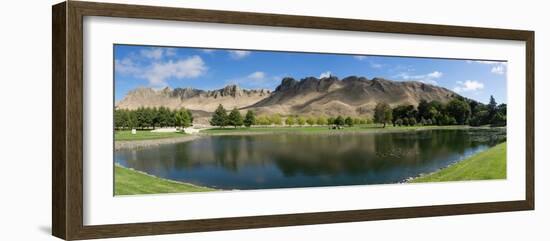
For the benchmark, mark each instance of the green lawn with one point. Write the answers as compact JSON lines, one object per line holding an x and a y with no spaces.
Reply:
{"x":490,"y":164}
{"x":127,"y":135}
{"x":323,"y":129}
{"x":129,"y":182}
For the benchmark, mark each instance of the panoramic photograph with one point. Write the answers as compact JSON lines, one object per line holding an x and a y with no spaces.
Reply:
{"x":189,"y":119}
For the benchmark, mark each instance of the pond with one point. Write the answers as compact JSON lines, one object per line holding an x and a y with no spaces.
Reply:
{"x":288,"y":160}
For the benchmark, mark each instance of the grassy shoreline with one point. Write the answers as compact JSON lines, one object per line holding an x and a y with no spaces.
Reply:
{"x":126,"y":135}
{"x":323,"y":129}
{"x":131,"y":182}
{"x":486,"y":165}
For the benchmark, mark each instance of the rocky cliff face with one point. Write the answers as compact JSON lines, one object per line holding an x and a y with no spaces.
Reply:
{"x":230,"y":96}
{"x":330,"y":96}
{"x":349,"y":96}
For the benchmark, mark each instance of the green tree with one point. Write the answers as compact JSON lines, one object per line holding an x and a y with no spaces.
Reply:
{"x":399,"y":122}
{"x":459,"y":110}
{"x":321,"y":120}
{"x":382,"y":113}
{"x":423,"y":121}
{"x":423,"y":110}
{"x":164,"y":116}
{"x":499,"y":120}
{"x":262,"y":120}
{"x":330,"y":121}
{"x":249,"y":119}
{"x":120,"y":119}
{"x":142,"y":118}
{"x":492,"y":108}
{"x":153,"y":117}
{"x":479,"y":117}
{"x":132,"y":119}
{"x":276,"y":119}
{"x":502,"y":109}
{"x":403,"y":111}
{"x":219,"y":118}
{"x":289,"y":121}
{"x":310,"y":121}
{"x":429,"y":122}
{"x":301,"y":121}
{"x":182,"y":118}
{"x":369,"y":120}
{"x":500,"y":117}
{"x":339,"y":121}
{"x":412,"y":121}
{"x":235,"y":119}
{"x":348,"y":121}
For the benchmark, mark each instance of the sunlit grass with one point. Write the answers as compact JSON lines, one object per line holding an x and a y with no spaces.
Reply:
{"x":126,"y":135}
{"x":490,"y":164}
{"x":129,"y":182}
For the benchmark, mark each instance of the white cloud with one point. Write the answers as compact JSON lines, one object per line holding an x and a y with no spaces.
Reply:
{"x":126,"y":66}
{"x":152,"y":53}
{"x":360,"y":57}
{"x":257,"y":79}
{"x":258,"y":75}
{"x":157,"y":53}
{"x":238,"y":54}
{"x":499,"y":69}
{"x":158,"y":71}
{"x":434,"y":75}
{"x":208,"y":51}
{"x":429,"y":78}
{"x":468,"y":85}
{"x":325,"y":74}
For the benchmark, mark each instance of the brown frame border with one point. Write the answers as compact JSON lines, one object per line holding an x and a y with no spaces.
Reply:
{"x":67,"y":119}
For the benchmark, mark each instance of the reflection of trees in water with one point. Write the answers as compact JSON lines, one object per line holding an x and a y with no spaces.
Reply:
{"x":377,"y":152}
{"x":312,"y":155}
{"x":148,"y":158}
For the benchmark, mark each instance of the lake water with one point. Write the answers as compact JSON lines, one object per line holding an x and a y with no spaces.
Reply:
{"x":308,"y":160}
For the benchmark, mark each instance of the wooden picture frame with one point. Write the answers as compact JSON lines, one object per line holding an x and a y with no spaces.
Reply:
{"x":67,"y":124}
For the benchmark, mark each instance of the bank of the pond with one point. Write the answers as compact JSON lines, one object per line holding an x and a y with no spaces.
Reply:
{"x":489,"y":164}
{"x":130,"y":182}
{"x":153,"y":142}
{"x":324,"y":129}
{"x":126,"y":135}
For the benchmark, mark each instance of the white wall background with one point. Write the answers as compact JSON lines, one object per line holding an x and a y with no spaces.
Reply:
{"x":25,"y":104}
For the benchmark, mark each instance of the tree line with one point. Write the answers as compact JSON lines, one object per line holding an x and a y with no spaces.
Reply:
{"x":151,"y":118}
{"x":221,"y":118}
{"x":458,"y":111}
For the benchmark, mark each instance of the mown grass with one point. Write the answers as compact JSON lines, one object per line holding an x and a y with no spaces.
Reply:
{"x":322,"y":129}
{"x":490,"y":164}
{"x":126,"y":135}
{"x":130,"y":182}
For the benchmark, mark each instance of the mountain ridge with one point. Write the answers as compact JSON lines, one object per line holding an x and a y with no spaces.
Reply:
{"x":350,"y":96}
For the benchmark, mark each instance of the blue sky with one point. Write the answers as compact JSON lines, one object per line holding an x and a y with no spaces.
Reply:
{"x":207,"y":69}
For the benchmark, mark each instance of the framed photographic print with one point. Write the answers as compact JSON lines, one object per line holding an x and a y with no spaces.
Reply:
{"x":171,"y":120}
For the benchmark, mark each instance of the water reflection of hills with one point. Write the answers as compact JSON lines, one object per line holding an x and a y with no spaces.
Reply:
{"x":290,"y":155}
